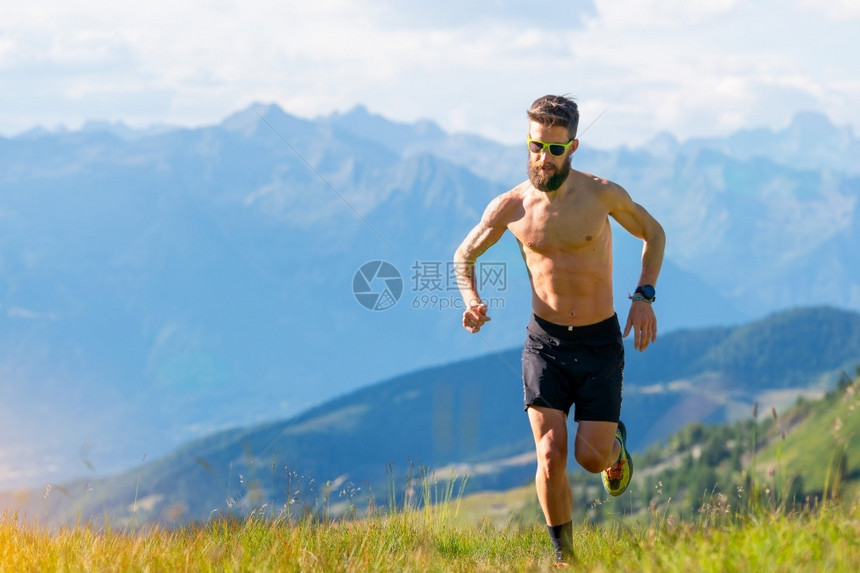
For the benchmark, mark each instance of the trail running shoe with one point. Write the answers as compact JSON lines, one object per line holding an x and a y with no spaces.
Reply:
{"x":616,"y":477}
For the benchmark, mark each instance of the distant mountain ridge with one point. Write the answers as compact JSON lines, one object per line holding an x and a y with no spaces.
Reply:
{"x":467,"y":416}
{"x":744,"y":212}
{"x":809,"y":142}
{"x":158,"y":286}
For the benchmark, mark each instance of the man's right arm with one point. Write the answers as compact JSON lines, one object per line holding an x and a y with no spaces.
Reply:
{"x":483,"y":236}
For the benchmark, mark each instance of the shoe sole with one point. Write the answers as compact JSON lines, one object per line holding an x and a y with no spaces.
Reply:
{"x":623,"y":430}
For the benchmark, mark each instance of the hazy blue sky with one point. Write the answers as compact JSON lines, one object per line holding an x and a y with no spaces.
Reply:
{"x":692,"y":68}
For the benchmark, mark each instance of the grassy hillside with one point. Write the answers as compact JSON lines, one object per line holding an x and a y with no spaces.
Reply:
{"x":789,"y":460}
{"x":751,"y":515}
{"x":817,"y":445}
{"x":467,"y":418}
{"x":774,"y":462}
{"x":428,"y":539}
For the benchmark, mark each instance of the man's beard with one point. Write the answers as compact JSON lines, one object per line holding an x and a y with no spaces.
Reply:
{"x":547,"y":181}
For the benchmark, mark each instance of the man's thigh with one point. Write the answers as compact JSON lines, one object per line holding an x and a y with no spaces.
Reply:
{"x":548,"y":424}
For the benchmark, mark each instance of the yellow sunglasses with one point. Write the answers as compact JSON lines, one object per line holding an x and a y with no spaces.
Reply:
{"x":555,"y":149}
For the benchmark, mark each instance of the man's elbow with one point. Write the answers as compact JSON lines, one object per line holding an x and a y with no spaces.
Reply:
{"x":463,"y":256}
{"x":656,"y":236}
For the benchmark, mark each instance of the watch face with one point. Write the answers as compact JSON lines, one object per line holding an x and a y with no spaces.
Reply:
{"x":647,"y":291}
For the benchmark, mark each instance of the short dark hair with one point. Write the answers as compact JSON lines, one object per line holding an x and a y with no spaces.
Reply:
{"x":552,"y":110}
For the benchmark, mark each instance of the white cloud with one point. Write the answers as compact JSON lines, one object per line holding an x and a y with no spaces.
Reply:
{"x":659,"y":15}
{"x":833,"y":9}
{"x":652,"y":65}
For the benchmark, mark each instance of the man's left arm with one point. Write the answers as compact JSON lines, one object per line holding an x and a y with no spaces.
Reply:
{"x":639,"y":223}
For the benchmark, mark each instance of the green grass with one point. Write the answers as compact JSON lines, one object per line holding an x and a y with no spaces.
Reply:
{"x":436,"y":528}
{"x":419,"y":540}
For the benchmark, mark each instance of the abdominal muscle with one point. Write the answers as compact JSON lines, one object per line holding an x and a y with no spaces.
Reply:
{"x":570,"y":289}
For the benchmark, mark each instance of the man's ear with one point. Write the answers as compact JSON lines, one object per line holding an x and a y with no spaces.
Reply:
{"x":574,"y":146}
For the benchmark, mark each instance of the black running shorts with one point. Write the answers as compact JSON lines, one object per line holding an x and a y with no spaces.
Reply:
{"x":574,"y":365}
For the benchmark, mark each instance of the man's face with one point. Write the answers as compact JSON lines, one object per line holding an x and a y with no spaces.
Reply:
{"x":546,"y":171}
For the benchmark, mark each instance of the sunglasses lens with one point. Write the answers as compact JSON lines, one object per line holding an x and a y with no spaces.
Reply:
{"x":555,"y":149}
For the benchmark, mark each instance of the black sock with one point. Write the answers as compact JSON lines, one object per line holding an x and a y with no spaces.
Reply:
{"x":562,"y":540}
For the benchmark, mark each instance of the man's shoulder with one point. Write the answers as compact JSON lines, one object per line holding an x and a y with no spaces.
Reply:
{"x":506,"y":207}
{"x":593,"y":182}
{"x":601,"y":188}
{"x":518,"y":192}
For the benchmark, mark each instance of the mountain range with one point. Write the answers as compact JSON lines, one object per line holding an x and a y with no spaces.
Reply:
{"x":158,"y":286}
{"x":462,"y":419}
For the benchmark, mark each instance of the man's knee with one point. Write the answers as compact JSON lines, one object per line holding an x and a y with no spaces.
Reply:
{"x":591,"y":462}
{"x":594,"y":444}
{"x":592,"y":459}
{"x":552,"y":458}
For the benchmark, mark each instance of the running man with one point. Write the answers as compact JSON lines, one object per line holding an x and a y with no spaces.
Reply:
{"x":573,"y":353}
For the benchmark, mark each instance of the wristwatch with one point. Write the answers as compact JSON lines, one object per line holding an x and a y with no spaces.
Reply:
{"x":644,"y":293}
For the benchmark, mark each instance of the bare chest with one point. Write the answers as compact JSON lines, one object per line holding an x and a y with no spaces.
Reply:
{"x":575,"y":226}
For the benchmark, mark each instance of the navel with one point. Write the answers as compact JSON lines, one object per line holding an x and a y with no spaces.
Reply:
{"x":588,"y":237}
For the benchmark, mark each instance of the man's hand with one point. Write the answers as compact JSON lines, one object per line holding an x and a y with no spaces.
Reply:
{"x":474,"y":317}
{"x":644,"y":324}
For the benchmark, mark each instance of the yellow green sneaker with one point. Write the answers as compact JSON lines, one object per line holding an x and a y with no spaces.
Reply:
{"x":616,"y":477}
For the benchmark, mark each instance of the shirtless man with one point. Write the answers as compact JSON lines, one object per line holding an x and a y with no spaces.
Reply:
{"x":573,"y":352}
